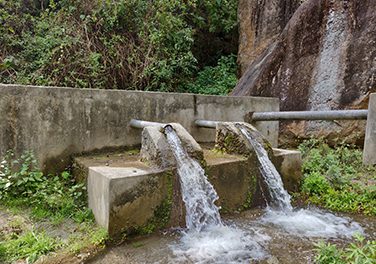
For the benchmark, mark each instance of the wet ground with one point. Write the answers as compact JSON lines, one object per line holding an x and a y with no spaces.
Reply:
{"x":272,"y":244}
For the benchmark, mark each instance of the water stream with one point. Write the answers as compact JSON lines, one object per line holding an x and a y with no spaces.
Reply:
{"x":300,"y":222}
{"x":207,"y":239}
{"x":279,"y":197}
{"x":288,"y":234}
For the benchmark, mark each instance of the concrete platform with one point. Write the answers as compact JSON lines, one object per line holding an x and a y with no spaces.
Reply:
{"x":127,"y":195}
{"x":369,"y":153}
{"x":289,"y":165}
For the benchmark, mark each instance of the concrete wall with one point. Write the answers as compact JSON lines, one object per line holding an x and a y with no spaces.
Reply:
{"x":369,"y":154}
{"x":58,"y":122}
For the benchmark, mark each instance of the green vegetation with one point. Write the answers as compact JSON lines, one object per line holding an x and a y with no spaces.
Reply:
{"x":335,"y":178}
{"x":29,"y":196}
{"x":120,"y":44}
{"x":360,"y":252}
{"x":57,"y":197}
{"x":217,"y":80}
{"x":29,"y":246}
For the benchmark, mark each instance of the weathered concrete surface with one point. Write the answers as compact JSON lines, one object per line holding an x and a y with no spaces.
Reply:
{"x":156,"y":151}
{"x":125,"y":194}
{"x":289,"y":165}
{"x":324,"y":59}
{"x":369,"y":153}
{"x":260,"y":23}
{"x":287,"y":162}
{"x":235,"y":182}
{"x":57,"y":122}
{"x":230,"y":139}
{"x":126,"y":197}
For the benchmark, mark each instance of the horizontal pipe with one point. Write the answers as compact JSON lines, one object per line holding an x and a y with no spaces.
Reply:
{"x":310,"y":115}
{"x":206,"y":123}
{"x":135,"y":123}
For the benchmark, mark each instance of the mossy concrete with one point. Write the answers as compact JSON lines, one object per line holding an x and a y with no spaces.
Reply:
{"x":58,"y":123}
{"x":229,"y":139}
{"x":127,"y":195}
{"x":289,"y":165}
{"x":156,"y":151}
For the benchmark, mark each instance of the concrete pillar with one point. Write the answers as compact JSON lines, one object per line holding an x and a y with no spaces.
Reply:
{"x":369,"y":153}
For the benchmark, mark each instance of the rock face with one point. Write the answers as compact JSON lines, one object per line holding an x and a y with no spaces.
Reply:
{"x":260,"y":23}
{"x":324,"y":59}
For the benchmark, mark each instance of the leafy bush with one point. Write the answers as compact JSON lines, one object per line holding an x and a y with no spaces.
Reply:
{"x":21,"y":183}
{"x":315,"y":184}
{"x":121,"y":44}
{"x":360,"y":252}
{"x":217,"y":80}
{"x":337,"y":179}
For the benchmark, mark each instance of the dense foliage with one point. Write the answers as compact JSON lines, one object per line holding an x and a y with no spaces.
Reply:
{"x":360,"y":252}
{"x":114,"y":44}
{"x":335,"y":178}
{"x":219,"y":79}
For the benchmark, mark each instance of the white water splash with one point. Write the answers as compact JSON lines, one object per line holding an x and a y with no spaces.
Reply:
{"x":221,"y":245}
{"x":312,"y":223}
{"x":198,"y":194}
{"x":207,"y":239}
{"x":279,"y":196}
{"x":303,"y":222}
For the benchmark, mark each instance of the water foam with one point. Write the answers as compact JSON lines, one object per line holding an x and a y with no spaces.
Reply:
{"x":303,"y":222}
{"x":220,"y":244}
{"x":312,"y":223}
{"x":207,"y":239}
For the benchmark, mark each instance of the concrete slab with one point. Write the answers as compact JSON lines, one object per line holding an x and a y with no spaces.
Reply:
{"x":369,"y":153}
{"x":289,"y":165}
{"x":128,"y":195}
{"x":69,"y":121}
{"x":125,"y":198}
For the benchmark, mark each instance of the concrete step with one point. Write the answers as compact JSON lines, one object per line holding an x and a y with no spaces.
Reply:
{"x":127,"y":195}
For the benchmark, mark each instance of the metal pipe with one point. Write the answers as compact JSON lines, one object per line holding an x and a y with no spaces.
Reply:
{"x":206,"y":123}
{"x":310,"y":115}
{"x":135,"y":123}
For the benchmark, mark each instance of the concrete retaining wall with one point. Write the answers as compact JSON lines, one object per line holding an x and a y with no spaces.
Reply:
{"x":58,"y":122}
{"x":369,"y":154}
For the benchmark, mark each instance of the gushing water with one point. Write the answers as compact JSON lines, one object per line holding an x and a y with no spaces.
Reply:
{"x":198,"y":194}
{"x":303,"y":222}
{"x":207,"y":239}
{"x":279,"y":196}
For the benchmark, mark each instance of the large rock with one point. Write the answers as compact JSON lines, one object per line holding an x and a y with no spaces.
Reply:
{"x":260,"y":23}
{"x":324,"y":59}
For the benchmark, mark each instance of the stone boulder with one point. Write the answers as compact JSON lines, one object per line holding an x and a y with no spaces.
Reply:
{"x":324,"y":59}
{"x":260,"y":23}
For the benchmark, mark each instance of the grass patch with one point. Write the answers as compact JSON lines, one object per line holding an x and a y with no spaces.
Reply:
{"x":48,"y":196}
{"x":29,"y":246}
{"x":359,"y":252}
{"x":335,"y":178}
{"x":50,"y":205}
